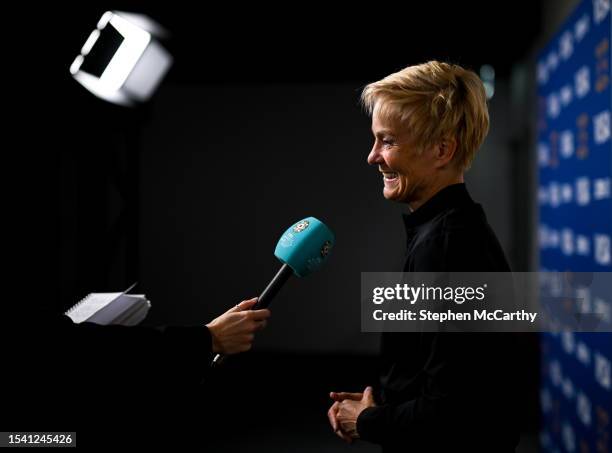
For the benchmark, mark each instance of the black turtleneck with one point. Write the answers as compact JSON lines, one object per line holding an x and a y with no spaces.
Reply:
{"x":450,"y":233}
{"x":446,"y":391}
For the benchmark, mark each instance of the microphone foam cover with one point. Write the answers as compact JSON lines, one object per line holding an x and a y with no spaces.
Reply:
{"x":305,"y":246}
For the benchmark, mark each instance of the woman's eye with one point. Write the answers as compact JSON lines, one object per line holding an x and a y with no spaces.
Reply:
{"x":387,"y":143}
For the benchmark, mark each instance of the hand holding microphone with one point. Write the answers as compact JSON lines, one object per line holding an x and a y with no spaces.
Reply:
{"x":234,"y":330}
{"x":303,"y":248}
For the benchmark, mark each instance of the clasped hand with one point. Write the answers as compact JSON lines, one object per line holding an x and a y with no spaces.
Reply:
{"x":344,"y":412}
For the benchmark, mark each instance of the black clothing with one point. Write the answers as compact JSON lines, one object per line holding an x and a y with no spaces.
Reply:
{"x":107,"y":354}
{"x":446,"y":391}
{"x":164,"y":355}
{"x":138,"y":384}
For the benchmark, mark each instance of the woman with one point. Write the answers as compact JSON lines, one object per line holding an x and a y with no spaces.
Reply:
{"x":438,"y":391}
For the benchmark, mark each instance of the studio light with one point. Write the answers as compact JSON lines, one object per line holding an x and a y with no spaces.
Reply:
{"x":122,"y":61}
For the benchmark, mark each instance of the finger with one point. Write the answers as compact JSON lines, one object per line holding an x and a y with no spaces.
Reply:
{"x":260,"y":325}
{"x":336,"y":396}
{"x":244,"y":305}
{"x":342,"y":431}
{"x":331,"y":415}
{"x":244,"y":347}
{"x":246,"y":326}
{"x":343,"y":436}
{"x":340,"y":396}
{"x":259,"y":315}
{"x":244,"y":342}
{"x":247,"y":304}
{"x":336,"y":409}
{"x":367,"y":394}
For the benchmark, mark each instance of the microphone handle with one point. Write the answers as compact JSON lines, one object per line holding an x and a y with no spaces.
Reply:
{"x":265,"y":299}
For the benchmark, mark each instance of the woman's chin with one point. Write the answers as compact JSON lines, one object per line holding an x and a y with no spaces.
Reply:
{"x":390,"y":194}
{"x":391,"y":190}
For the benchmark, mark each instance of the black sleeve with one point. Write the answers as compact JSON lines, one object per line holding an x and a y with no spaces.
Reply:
{"x":467,"y":378}
{"x":77,"y":374}
{"x":414,"y":418}
{"x":465,"y":375}
{"x":157,"y":354}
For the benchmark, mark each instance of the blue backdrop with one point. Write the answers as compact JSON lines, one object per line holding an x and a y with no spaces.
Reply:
{"x":575,"y":225}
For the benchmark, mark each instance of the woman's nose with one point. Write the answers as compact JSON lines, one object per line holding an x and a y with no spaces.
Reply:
{"x":374,"y":158}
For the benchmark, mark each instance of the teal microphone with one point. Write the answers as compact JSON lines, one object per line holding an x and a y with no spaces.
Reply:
{"x":302,"y":249}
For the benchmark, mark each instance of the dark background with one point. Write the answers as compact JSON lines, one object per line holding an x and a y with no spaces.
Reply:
{"x":257,"y":125}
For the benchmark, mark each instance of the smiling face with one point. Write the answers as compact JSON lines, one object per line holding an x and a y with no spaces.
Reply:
{"x":408,"y":175}
{"x":440,"y":104}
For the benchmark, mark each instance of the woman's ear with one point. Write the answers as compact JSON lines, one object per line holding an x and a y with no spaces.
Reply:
{"x":445,"y":151}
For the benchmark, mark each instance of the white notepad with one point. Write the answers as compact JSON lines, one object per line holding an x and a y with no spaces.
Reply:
{"x":111,"y":308}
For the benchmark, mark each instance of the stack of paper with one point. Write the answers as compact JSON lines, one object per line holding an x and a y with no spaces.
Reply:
{"x":111,"y":308}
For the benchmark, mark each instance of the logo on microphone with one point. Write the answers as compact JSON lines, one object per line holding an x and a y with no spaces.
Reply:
{"x":326,"y":248}
{"x":301,"y":226}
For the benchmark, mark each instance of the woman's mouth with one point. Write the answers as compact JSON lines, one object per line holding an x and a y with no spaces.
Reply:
{"x":390,"y":178}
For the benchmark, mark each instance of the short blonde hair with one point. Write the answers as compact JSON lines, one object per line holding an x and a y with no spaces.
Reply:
{"x":435,"y":101}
